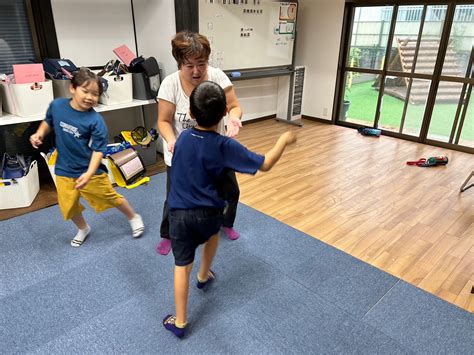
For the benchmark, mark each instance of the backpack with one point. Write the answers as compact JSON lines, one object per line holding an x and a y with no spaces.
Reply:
{"x":14,"y":166}
{"x":146,"y":78}
{"x":366,"y":131}
{"x":59,"y":68}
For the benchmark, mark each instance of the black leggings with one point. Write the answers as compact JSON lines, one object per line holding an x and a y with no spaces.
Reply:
{"x":228,"y":189}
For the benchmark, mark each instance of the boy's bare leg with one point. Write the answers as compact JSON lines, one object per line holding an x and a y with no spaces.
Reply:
{"x":83,"y":231}
{"x":208,"y":253}
{"x":181,"y":291}
{"x":135,"y":220}
{"x":79,"y":221}
{"x":126,"y":209}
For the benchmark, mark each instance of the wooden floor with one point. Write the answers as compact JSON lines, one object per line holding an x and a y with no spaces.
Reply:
{"x":357,"y":194}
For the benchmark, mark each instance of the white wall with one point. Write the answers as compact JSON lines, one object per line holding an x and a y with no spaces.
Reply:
{"x":319,"y":35}
{"x":155,"y":26}
{"x":257,"y":97}
{"x":88,"y":30}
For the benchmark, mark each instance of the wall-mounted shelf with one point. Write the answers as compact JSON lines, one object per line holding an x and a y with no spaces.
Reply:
{"x":8,"y":119}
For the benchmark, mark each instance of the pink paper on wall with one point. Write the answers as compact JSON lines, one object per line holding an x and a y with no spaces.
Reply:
{"x":28,"y":73}
{"x":125,"y":54}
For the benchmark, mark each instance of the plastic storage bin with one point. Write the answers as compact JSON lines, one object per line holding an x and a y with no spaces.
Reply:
{"x":107,"y":163}
{"x":142,"y":86}
{"x":119,"y":91}
{"x":147,"y":153}
{"x":16,"y":193}
{"x":27,"y":100}
{"x":61,"y":88}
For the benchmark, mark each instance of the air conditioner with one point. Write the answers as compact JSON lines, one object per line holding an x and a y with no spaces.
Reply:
{"x":290,"y":96}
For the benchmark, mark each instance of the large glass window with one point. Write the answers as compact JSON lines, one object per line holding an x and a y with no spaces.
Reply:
{"x":407,"y":74}
{"x":398,"y":114}
{"x":461,"y":40}
{"x":369,"y":37}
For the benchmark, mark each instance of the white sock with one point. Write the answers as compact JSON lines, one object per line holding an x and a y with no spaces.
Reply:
{"x":137,"y":225}
{"x":82,"y":234}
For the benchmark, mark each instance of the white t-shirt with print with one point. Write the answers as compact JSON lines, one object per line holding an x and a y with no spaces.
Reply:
{"x":172,"y":91}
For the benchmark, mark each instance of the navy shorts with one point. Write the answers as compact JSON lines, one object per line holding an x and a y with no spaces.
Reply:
{"x":191,"y":228}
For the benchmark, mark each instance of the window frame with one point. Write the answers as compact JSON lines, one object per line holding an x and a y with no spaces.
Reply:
{"x":436,"y":77}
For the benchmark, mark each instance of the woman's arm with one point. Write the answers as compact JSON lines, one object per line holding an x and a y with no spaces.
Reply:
{"x":166,"y":112}
{"x":235,"y":112}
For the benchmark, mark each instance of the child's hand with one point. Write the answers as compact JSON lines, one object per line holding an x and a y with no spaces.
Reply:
{"x":289,"y":136}
{"x":36,"y":140}
{"x":233,"y":127}
{"x":82,"y":181}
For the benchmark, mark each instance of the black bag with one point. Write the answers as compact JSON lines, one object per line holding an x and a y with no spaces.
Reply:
{"x":146,"y":79}
{"x":59,"y":68}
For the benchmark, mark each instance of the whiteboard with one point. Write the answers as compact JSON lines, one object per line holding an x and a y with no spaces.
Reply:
{"x":249,"y":34}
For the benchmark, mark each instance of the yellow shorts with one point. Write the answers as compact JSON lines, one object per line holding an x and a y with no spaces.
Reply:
{"x":99,"y":194}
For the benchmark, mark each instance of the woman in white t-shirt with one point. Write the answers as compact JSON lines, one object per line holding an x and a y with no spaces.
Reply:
{"x":191,"y":51}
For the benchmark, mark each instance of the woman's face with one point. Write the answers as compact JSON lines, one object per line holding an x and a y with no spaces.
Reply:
{"x":194,"y":70}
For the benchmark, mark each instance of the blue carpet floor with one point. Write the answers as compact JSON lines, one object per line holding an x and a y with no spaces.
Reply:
{"x":278,"y":291}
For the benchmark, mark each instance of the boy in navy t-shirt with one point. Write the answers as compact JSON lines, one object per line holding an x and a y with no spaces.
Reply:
{"x":201,"y":156}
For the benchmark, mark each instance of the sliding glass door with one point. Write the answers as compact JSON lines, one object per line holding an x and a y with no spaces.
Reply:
{"x":452,"y":120}
{"x":408,"y":71}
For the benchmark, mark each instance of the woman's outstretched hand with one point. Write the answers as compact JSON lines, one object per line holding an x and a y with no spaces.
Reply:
{"x":233,"y":127}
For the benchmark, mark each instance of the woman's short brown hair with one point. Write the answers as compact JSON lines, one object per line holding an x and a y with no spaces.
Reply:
{"x":190,"y":45}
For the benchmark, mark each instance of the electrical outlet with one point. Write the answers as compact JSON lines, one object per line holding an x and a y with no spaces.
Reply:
{"x":325,"y":111}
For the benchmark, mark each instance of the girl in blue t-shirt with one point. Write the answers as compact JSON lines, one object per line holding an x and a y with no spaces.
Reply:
{"x":81,"y":141}
{"x":201,"y":156}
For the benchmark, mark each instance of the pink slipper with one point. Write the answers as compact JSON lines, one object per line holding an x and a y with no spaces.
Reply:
{"x":163,"y":247}
{"x":231,"y":233}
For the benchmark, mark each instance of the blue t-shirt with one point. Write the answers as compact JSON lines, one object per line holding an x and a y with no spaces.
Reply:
{"x":199,"y":159}
{"x":78,"y":134}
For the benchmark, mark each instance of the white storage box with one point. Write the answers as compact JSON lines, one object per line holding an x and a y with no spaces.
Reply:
{"x":50,"y":159}
{"x":16,"y":193}
{"x":27,"y":100}
{"x":107,"y":163}
{"x":120,"y":90}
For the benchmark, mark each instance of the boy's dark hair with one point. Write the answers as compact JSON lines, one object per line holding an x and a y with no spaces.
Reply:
{"x":190,"y":45}
{"x":85,"y":76}
{"x":207,"y":104}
